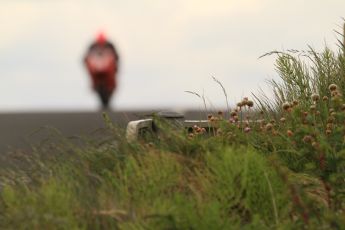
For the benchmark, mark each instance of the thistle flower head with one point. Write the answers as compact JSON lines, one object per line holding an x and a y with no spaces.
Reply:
{"x":236,"y":118}
{"x":315,"y":97}
{"x":286,"y":106}
{"x":332,"y":87}
{"x":269,"y":126}
{"x":247,"y":129}
{"x":250,"y":104}
{"x":307,"y":138}
{"x":335,"y":93}
{"x":233,"y":113}
{"x":315,"y":144}
{"x":330,"y":119}
{"x":289,"y":133}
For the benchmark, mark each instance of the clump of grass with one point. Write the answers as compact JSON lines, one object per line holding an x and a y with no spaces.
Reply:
{"x":225,"y":93}
{"x":279,"y":167}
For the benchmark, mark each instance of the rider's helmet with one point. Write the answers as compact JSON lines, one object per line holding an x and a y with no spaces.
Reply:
{"x":101,"y":38}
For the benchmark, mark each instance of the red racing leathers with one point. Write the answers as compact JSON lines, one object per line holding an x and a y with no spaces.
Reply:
{"x":102,"y":63}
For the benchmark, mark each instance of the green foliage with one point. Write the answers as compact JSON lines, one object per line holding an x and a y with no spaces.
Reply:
{"x":253,"y":188}
{"x":49,"y":207}
{"x":282,"y":167}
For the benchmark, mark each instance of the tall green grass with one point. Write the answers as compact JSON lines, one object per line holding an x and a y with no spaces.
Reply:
{"x":283,"y":169}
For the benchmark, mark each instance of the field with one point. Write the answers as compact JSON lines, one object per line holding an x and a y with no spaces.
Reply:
{"x":269,"y":164}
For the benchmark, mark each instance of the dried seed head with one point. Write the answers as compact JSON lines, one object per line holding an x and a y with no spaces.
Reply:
{"x":325,"y":98}
{"x":269,"y":126}
{"x":283,"y":119}
{"x":239,"y":104}
{"x":230,"y":135}
{"x":219,"y":131}
{"x":220,"y":113}
{"x":318,"y":112}
{"x":286,"y":105}
{"x":330,"y":119}
{"x":250,"y":104}
{"x":332,"y":87}
{"x":262,"y":122}
{"x":315,"y":97}
{"x":307,"y":138}
{"x":328,"y":131}
{"x":343,"y":107}
{"x":312,"y":107}
{"x":236,"y":118}
{"x":315,"y":144}
{"x":233,"y":113}
{"x":247,"y":129}
{"x":329,"y":126}
{"x":333,"y":114}
{"x":289,"y":133}
{"x":295,"y":102}
{"x":209,"y":117}
{"x":331,"y":110}
{"x":261,"y":112}
{"x":334,"y":93}
{"x":150,"y":145}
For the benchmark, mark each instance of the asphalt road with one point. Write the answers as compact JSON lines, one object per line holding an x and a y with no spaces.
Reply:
{"x":21,"y":130}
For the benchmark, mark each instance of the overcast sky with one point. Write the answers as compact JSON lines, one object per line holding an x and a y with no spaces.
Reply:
{"x":166,"y":47}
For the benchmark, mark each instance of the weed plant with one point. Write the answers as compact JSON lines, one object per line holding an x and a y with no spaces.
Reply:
{"x":277,"y":165}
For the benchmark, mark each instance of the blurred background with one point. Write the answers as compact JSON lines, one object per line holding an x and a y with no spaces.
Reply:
{"x":165,"y":47}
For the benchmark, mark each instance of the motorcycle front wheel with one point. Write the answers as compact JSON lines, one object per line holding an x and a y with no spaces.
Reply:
{"x":104,"y":96}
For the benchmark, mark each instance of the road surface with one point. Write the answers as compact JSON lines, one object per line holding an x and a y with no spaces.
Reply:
{"x":20,"y":130}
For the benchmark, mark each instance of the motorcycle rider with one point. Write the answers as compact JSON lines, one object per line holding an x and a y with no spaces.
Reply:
{"x":101,"y":61}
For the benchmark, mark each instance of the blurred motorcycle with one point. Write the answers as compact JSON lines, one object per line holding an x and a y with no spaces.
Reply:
{"x":101,"y":62}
